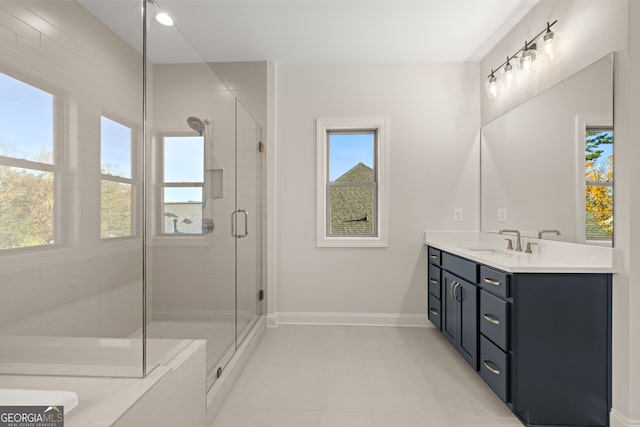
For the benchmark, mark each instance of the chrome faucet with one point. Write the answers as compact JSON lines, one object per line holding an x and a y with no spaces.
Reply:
{"x":541,"y":232}
{"x":518,"y":241}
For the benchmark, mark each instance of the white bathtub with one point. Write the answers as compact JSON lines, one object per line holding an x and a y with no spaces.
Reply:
{"x":172,"y":394}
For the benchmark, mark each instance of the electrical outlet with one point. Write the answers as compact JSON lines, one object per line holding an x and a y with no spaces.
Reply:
{"x":457,"y":214}
{"x":502,"y":214}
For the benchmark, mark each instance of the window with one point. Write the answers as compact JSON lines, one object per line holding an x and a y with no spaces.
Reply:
{"x":352,"y":198}
{"x":182,"y":184}
{"x":28,"y":169}
{"x":598,"y":173}
{"x":117,"y":184}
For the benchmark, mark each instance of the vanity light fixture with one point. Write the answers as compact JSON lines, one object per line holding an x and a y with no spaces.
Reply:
{"x":525,"y":57}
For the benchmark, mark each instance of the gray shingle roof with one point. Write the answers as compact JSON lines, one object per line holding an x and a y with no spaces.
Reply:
{"x":352,"y":206}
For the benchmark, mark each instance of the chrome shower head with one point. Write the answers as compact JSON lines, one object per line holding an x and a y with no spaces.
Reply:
{"x":197,"y":124}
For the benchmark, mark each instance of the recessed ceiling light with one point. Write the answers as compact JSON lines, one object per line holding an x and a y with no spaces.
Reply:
{"x":164,"y":19}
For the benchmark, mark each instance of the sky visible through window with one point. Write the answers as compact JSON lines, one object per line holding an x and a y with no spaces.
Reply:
{"x":183,"y":162}
{"x":607,"y":151}
{"x":26,"y":121}
{"x":347,"y":150}
{"x":115,"y":148}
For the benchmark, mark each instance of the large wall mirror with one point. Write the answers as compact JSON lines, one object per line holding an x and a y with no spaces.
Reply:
{"x":548,"y":163}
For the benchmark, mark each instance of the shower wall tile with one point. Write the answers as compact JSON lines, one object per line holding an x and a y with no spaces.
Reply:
{"x":33,"y":20}
{"x":201,"y":277}
{"x":12,"y":278}
{"x":19,"y":27}
{"x":7,"y":296}
{"x":8,"y":38}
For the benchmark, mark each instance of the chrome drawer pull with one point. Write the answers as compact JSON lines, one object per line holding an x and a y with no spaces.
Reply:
{"x":435,"y":282}
{"x":492,"y":370}
{"x":491,"y":282}
{"x":451,"y":289}
{"x":488,"y":318}
{"x":434,"y":312}
{"x":434,"y":256}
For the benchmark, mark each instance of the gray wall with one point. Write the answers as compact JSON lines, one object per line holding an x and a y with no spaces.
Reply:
{"x":434,"y":121}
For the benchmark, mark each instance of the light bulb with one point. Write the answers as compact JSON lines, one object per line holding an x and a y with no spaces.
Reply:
{"x":491,"y":86}
{"x":164,"y":19}
{"x":528,"y":58}
{"x":547,"y":39}
{"x":508,"y":73}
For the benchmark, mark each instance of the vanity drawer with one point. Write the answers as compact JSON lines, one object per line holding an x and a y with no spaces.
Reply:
{"x":434,"y":277}
{"x":495,"y":281}
{"x":434,"y":256}
{"x":434,"y":311}
{"x":494,"y":319}
{"x":494,"y":368}
{"x":461,"y":267}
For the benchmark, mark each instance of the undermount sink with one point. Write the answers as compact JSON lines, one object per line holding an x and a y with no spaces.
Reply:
{"x":487,"y":251}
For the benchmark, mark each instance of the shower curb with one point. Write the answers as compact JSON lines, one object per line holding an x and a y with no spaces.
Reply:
{"x":221,"y":389}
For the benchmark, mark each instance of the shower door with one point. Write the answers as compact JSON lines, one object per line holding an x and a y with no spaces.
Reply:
{"x":247,"y":221}
{"x":205,"y":233}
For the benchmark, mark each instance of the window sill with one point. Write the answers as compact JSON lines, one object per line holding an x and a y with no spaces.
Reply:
{"x":192,"y":240}
{"x":350,"y":242}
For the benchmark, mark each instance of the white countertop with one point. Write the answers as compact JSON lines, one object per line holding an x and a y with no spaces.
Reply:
{"x":548,"y":256}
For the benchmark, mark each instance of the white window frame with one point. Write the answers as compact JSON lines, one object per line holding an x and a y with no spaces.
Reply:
{"x":381,"y":126}
{"x":55,"y":168}
{"x":133,"y":181}
{"x":162,"y":185}
{"x":584,"y":122}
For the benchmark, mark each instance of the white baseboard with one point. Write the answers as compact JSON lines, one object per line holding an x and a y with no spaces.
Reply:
{"x":272,"y":320}
{"x":616,"y":419}
{"x":348,"y":319}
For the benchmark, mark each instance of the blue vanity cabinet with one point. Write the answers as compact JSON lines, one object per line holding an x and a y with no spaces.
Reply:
{"x":434,"y":288}
{"x":542,"y":341}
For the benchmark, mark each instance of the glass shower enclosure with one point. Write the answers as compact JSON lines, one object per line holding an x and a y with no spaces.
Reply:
{"x":131,"y":193}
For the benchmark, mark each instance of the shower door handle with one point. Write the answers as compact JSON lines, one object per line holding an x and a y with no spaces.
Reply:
{"x":234,"y":223}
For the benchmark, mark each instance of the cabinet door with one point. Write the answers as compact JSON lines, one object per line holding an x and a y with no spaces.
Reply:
{"x":449,"y":309}
{"x":460,"y":316}
{"x":467,"y":295}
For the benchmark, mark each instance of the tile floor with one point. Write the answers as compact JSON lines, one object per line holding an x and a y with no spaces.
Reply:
{"x":325,"y":376}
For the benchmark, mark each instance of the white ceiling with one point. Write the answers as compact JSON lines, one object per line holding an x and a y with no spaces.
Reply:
{"x":317,"y":31}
